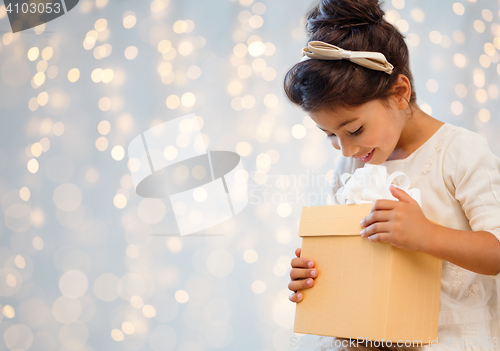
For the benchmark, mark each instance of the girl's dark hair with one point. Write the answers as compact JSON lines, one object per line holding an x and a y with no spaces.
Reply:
{"x":356,"y":25}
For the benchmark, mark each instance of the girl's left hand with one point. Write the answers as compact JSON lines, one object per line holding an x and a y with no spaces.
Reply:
{"x":399,"y":223}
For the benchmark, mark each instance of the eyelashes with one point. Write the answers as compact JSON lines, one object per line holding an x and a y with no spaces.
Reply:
{"x":360,"y":129}
{"x":357,"y":132}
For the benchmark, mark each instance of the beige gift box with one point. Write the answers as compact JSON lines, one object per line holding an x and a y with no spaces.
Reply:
{"x":372,"y":291}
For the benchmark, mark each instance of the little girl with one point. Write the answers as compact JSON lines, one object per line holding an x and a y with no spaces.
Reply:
{"x":355,"y":83}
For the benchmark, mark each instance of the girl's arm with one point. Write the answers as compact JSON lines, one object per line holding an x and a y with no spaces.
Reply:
{"x":475,"y":251}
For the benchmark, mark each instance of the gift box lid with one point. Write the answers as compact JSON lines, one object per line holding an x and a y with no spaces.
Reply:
{"x":333,"y":220}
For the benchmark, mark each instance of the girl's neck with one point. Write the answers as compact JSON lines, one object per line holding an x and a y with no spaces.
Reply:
{"x":418,"y":129}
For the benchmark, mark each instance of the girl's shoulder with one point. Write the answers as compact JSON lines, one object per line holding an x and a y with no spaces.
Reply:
{"x":460,"y":141}
{"x":454,"y":148}
{"x":448,"y":140}
{"x":466,"y":158}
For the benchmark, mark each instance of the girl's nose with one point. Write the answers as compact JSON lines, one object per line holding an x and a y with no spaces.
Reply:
{"x":348,"y":149}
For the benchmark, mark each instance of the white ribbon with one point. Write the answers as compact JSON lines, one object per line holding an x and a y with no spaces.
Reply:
{"x":372,"y":183}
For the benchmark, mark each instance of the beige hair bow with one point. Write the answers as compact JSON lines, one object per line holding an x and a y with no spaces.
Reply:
{"x":325,"y":51}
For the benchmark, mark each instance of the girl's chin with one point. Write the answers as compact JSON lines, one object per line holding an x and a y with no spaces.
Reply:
{"x":376,"y":160}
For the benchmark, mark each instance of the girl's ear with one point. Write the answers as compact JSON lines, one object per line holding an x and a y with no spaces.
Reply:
{"x":402,"y":92}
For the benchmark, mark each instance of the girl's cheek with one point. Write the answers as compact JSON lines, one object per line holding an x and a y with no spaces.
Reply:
{"x":370,"y":141}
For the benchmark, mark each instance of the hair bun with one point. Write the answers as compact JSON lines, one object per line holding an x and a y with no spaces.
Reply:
{"x":344,"y":13}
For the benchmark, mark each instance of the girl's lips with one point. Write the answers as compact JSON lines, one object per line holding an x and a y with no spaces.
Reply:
{"x":368,"y":157}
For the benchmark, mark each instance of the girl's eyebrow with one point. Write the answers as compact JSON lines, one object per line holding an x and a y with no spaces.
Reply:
{"x":347,"y":121}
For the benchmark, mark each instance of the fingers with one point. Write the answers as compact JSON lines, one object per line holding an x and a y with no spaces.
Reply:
{"x":376,"y":216}
{"x":296,"y":297}
{"x":380,"y":238}
{"x":302,"y":276}
{"x":302,"y":263}
{"x":300,"y":284}
{"x":384,"y":205}
{"x":300,"y":273}
{"x":375,"y":228}
{"x":400,"y":194}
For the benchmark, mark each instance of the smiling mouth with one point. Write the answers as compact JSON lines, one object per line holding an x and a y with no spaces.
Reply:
{"x":366,"y":157}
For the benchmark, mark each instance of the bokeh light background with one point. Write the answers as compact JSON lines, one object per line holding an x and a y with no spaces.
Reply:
{"x":80,"y":266}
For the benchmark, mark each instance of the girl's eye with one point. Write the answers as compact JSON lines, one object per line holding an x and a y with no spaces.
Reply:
{"x":329,"y":136}
{"x":360,"y":129}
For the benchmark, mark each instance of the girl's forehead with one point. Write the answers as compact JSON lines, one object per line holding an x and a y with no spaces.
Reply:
{"x":341,"y":113}
{"x":329,"y":123}
{"x":336,"y":118}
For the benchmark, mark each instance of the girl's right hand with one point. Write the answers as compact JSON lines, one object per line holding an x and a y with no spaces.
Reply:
{"x":302,"y":276}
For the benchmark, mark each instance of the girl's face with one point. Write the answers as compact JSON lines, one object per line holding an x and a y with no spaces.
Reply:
{"x":370,"y":132}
